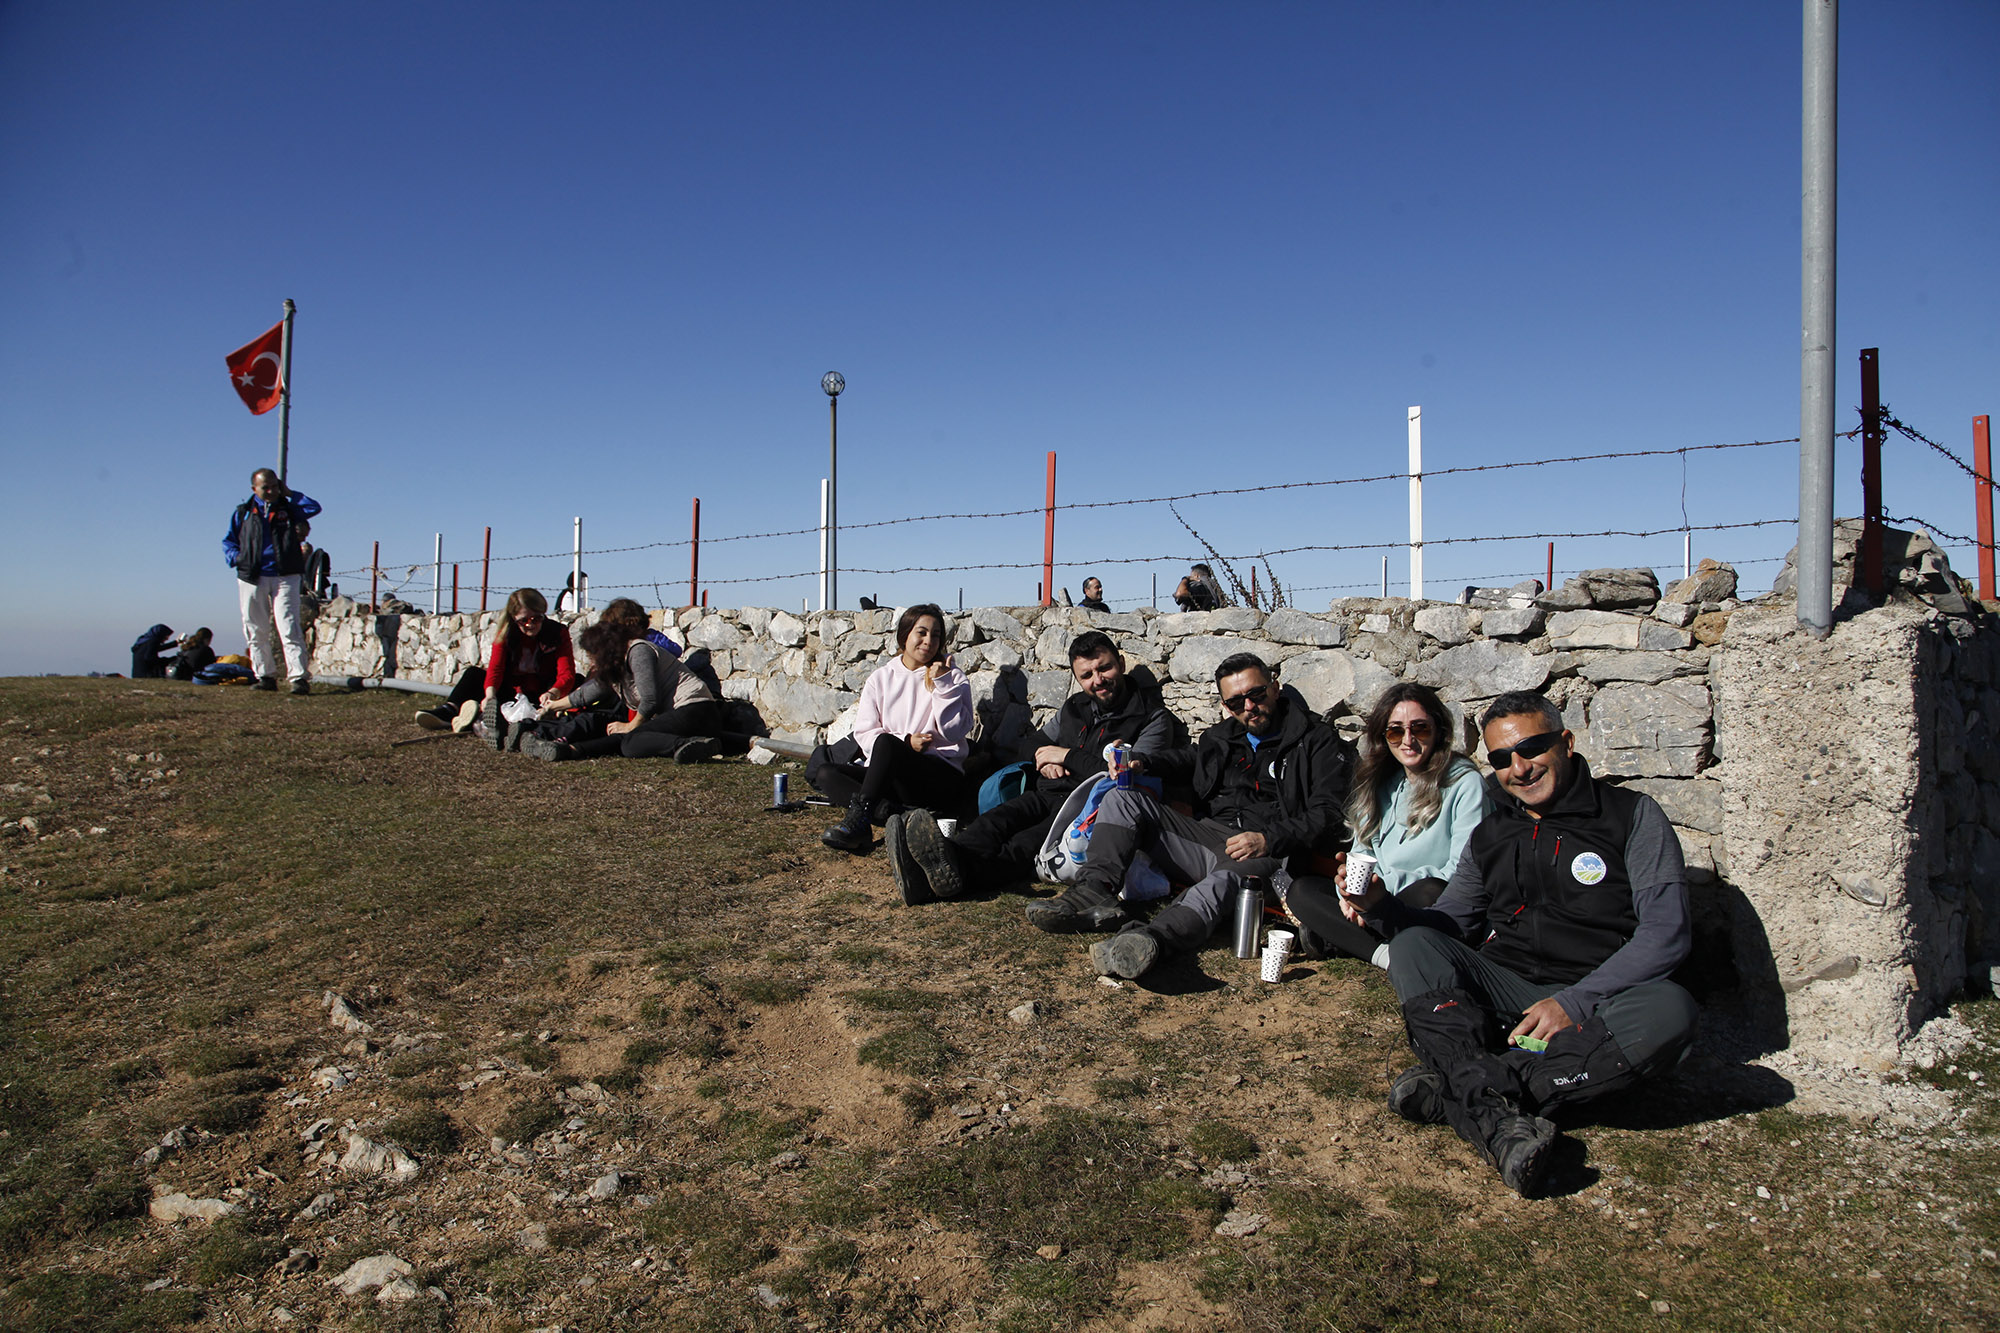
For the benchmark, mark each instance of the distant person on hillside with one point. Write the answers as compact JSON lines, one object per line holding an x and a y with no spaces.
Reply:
{"x":911,"y":734}
{"x":671,"y":711}
{"x":149,"y":653}
{"x":264,"y":545}
{"x":196,"y":653}
{"x":1198,"y":590}
{"x":531,"y":656}
{"x":1093,"y":595}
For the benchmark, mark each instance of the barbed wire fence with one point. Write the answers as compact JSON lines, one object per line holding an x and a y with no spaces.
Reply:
{"x":395,"y":577}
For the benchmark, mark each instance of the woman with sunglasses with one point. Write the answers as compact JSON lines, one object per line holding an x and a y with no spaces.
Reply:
{"x":1413,"y":806}
{"x":531,"y":655}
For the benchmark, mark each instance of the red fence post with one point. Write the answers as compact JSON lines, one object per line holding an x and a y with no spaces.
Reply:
{"x":374,"y":574}
{"x":1549,"y":583}
{"x":1982,"y":490}
{"x":485,"y":568}
{"x":1049,"y":536}
{"x":1871,"y":470}
{"x":694,"y":557}
{"x":1253,"y":587}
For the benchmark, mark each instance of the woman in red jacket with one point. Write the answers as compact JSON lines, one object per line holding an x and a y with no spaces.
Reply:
{"x":531,"y":656}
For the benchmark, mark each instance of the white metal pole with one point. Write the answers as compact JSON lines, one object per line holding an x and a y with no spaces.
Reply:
{"x":1687,"y":554}
{"x":1416,"y":504}
{"x":1385,"y":577}
{"x":576,"y":565}
{"x":437,"y":575}
{"x":824,"y":533}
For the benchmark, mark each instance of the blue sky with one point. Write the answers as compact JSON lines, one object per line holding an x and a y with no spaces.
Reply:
{"x":558,"y":261}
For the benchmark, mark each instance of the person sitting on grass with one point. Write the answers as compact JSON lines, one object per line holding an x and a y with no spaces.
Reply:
{"x":1414,"y":805}
{"x":531,"y":656}
{"x":671,"y":711}
{"x":910,"y":736}
{"x":999,"y":847}
{"x":197,"y":651}
{"x":1267,"y":783}
{"x":1560,"y":928}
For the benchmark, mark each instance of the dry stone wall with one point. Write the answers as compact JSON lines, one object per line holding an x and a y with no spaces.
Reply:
{"x":1838,"y":803}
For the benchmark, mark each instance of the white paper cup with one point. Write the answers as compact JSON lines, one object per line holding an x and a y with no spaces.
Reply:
{"x":948,"y":827}
{"x":1360,"y":868}
{"x":1277,"y":950}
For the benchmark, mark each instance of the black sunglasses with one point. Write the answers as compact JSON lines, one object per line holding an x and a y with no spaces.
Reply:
{"x":1256,"y":695}
{"x":1531,"y":748}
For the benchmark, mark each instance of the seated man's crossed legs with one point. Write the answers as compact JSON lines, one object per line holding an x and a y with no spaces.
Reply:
{"x":1459,"y":1008}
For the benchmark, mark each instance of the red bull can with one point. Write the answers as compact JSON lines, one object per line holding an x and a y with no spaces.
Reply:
{"x":1118,"y":762}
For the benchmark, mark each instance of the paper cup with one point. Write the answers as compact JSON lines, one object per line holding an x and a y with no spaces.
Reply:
{"x":1277,"y":951}
{"x":948,"y":827}
{"x":1360,"y":867}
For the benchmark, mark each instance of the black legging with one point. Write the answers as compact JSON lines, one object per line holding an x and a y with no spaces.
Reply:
{"x":1315,"y":901}
{"x":661,"y":734}
{"x":896,"y":775}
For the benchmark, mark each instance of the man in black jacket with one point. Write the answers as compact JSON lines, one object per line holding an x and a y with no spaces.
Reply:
{"x":1566,"y":915}
{"x":1267,"y":784}
{"x":1111,"y":704}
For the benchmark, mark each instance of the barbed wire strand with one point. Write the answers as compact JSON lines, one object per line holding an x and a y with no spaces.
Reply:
{"x":1681,"y":450}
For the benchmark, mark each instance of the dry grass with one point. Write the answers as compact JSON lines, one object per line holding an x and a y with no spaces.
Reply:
{"x":820,"y":1112}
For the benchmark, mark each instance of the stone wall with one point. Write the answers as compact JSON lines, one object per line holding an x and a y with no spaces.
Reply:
{"x":1838,"y":803}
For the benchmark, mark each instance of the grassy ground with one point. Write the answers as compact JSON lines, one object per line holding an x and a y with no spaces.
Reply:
{"x":824,"y":1110}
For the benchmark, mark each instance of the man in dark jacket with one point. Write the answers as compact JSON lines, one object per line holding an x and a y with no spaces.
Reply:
{"x":265,"y":546}
{"x":1566,"y":915}
{"x":1267,"y":786}
{"x":998,"y":848}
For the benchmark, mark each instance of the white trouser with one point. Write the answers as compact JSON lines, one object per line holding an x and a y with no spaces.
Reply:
{"x":273,"y":596}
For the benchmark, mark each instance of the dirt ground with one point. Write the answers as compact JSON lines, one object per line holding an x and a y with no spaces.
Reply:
{"x":606,"y":1046}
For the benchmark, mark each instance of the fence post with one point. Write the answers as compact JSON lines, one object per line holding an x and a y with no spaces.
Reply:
{"x":485,"y":568}
{"x":1253,"y":587}
{"x":576,"y":565}
{"x":1549,"y":575}
{"x":1049,"y":535}
{"x":1982,"y":491}
{"x":1871,"y":470}
{"x":374,"y":579}
{"x":454,"y":587}
{"x":1416,"y":504}
{"x":437,"y":575}
{"x":694,"y":556}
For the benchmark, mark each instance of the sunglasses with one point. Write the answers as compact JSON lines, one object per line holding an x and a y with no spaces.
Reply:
{"x":528,"y":618}
{"x":1237,"y":703}
{"x":1531,"y":748}
{"x":1420,"y":730}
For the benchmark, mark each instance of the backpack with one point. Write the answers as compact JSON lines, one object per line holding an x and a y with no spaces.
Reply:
{"x":224,"y":673}
{"x":1068,"y":843}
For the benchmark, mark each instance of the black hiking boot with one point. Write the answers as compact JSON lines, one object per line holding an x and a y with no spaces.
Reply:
{"x":1129,"y":954}
{"x":856,"y":833}
{"x":903,"y":867}
{"x":1075,"y":908}
{"x":936,"y":855}
{"x":1519,"y":1149}
{"x":1417,"y":1095}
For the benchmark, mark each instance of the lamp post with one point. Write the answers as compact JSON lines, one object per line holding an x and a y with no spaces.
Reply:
{"x":832,"y":384}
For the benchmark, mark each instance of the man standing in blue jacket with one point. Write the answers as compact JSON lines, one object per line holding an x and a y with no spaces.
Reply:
{"x":265,"y":546}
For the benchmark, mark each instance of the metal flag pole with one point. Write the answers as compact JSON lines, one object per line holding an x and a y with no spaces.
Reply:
{"x":285,"y":392}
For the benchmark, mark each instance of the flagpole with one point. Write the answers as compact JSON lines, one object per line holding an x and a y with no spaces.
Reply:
{"x":285,"y":391}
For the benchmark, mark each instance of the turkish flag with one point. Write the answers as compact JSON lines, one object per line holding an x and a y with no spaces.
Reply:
{"x":254,"y":370}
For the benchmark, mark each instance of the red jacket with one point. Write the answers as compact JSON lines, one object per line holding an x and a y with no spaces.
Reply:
{"x":554,"y":664}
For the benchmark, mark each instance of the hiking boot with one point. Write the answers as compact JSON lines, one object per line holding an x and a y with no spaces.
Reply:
{"x":936,"y":854}
{"x":695,"y":750}
{"x":856,"y":833}
{"x":269,"y":683}
{"x":535,"y":747}
{"x":1417,"y":1095}
{"x":302,"y":686}
{"x":1128,"y":954}
{"x":468,"y":713}
{"x":433,"y":719}
{"x":1075,"y":908}
{"x":903,"y":868}
{"x":1519,"y":1150}
{"x":513,"y":733}
{"x":496,"y":725}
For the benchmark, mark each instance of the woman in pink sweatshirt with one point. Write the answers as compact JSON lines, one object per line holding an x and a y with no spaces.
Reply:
{"x":912,"y":727}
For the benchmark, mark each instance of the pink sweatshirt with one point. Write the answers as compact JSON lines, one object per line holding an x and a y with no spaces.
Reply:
{"x":895,"y":701}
